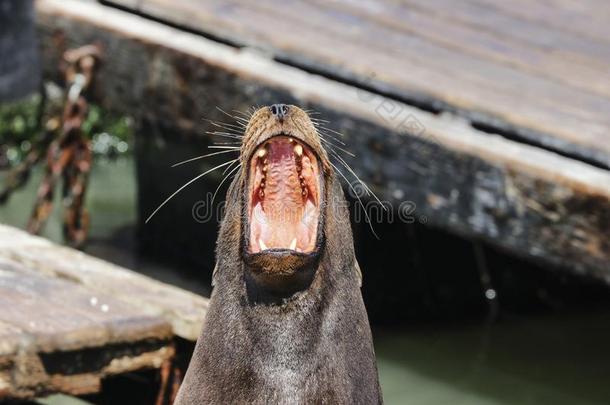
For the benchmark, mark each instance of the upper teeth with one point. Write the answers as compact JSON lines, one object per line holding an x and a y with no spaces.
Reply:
{"x":298,"y":149}
{"x":261,"y":153}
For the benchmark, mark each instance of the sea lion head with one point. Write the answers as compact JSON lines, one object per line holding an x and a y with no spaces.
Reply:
{"x":286,"y":218}
{"x":284,"y":172}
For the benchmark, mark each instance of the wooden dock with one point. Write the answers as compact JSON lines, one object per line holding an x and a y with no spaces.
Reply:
{"x":490,"y":117}
{"x":69,"y":320}
{"x":537,"y":71}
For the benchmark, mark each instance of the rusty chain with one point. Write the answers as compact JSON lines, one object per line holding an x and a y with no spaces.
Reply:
{"x":69,"y":154}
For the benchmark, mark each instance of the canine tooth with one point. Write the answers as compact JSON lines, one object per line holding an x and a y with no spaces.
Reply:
{"x":261,"y":153}
{"x":293,"y":244}
{"x":261,"y":193}
{"x":261,"y":244}
{"x":298,"y":149}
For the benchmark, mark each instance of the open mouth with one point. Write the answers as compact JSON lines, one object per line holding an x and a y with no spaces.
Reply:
{"x":284,"y":196}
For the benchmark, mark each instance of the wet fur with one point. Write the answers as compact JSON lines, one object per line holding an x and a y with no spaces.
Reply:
{"x":314,"y":347}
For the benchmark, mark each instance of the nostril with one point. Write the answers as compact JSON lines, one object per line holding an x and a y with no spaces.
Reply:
{"x":279,"y":110}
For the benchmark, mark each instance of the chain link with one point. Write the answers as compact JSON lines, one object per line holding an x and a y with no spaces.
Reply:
{"x":69,"y":154}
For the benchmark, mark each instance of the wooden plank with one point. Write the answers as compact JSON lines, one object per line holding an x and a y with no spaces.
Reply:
{"x":588,"y":72}
{"x":524,"y":199}
{"x":9,"y":339}
{"x":10,"y":336}
{"x":512,"y":94}
{"x":63,"y":315}
{"x":183,"y":310}
{"x":511,"y":27}
{"x":59,"y":335}
{"x":69,"y":320}
{"x":588,"y":19}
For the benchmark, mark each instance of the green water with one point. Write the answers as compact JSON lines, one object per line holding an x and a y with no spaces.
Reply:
{"x":559,"y":359}
{"x":551,"y":360}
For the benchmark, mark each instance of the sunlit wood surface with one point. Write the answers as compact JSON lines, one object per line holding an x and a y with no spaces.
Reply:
{"x":537,"y":69}
{"x":69,"y":320}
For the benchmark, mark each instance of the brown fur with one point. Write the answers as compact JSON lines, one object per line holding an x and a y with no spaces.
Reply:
{"x":262,"y":344}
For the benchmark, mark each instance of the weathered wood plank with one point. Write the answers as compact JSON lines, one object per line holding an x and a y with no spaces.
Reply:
{"x":513,"y":28}
{"x":9,"y":339}
{"x":524,"y":199}
{"x":58,"y":334}
{"x":62,"y":315}
{"x":587,"y":73}
{"x":513,"y":93}
{"x":27,"y":375}
{"x":68,"y":320}
{"x":105,"y":283}
{"x":587,"y":19}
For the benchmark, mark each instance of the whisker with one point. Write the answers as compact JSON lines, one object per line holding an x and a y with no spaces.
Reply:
{"x":239,"y":119}
{"x":185,"y":186}
{"x":201,"y":157}
{"x":224,"y":147}
{"x":223,"y":180}
{"x":358,"y":197}
{"x":225,"y":125}
{"x":229,"y":130}
{"x":331,"y":130}
{"x":325,"y":135}
{"x":236,"y":127}
{"x":242,"y":120}
{"x":367,"y":188}
{"x":227,"y":168}
{"x":246,"y":114}
{"x":230,"y":133}
{"x":224,"y":112}
{"x":331,"y":145}
{"x":224,"y":134}
{"x":227,"y":143}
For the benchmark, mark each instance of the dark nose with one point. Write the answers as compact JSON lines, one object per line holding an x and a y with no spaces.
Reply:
{"x":279,"y":111}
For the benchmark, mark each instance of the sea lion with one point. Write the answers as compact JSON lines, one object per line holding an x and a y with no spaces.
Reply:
{"x":286,"y":322}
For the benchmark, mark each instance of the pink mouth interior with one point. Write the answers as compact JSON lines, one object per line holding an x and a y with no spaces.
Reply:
{"x":284,"y":196}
